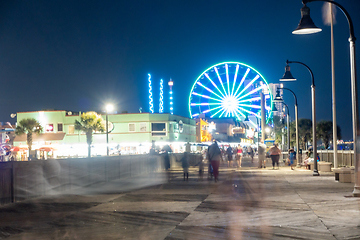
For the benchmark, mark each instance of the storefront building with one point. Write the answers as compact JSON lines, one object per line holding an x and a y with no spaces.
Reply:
{"x":129,"y":133}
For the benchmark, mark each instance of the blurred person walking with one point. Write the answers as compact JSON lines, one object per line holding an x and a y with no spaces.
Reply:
{"x":214,"y":156}
{"x":250,"y":151}
{"x":238,"y":152}
{"x":292,"y":157}
{"x":275,"y":155}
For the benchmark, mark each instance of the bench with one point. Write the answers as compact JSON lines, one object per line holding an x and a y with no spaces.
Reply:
{"x":324,"y":166}
{"x":343,"y":175}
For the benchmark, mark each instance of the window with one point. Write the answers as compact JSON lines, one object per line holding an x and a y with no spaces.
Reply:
{"x":71,"y":129}
{"x":142,"y":127}
{"x":158,"y":127}
{"x":49,"y":127}
{"x":131,"y":127}
{"x":60,"y":127}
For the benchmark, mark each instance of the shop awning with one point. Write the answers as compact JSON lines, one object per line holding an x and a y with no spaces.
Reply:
{"x":41,"y":137}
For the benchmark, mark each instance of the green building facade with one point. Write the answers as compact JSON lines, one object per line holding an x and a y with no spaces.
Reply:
{"x":129,"y":133}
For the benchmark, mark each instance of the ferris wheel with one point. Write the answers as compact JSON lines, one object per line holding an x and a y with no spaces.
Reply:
{"x":229,"y":89}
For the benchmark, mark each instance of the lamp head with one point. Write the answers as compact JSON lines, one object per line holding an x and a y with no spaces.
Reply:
{"x":278,"y":98}
{"x":287,"y":75}
{"x":306,"y":24}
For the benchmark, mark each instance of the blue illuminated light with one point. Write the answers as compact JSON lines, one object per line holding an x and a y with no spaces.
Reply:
{"x":151,"y":105}
{"x":171,"y":83}
{"x":161,"y":103}
{"x":237,"y":96}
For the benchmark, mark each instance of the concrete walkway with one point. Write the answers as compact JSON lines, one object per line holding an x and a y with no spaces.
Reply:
{"x":246,"y":203}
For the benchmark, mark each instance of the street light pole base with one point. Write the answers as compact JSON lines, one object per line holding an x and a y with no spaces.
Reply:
{"x":316,"y":173}
{"x":356,"y":192}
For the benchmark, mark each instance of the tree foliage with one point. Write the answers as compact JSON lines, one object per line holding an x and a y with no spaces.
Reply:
{"x":28,"y":126}
{"x":90,"y":122}
{"x":305,"y":131}
{"x":278,"y":126}
{"x":324,"y":131}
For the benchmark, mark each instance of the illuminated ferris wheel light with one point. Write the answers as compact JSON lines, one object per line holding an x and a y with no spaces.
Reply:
{"x":218,"y":93}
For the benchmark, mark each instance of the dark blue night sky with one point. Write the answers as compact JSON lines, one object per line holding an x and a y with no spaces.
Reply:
{"x":79,"y":55}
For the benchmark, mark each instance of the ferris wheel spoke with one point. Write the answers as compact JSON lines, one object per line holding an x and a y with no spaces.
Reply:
{"x":234,"y":113}
{"x":205,"y":96}
{"x":195,"y":115}
{"x":266,"y":106}
{"x":250,"y":106}
{"x":249,"y":84}
{"x":224,"y":110}
{"x":211,"y":109}
{"x":227,"y":78}
{"x":212,"y":82}
{"x":235,"y":77}
{"x":216,"y":113}
{"x":250,"y":99}
{"x":222,"y":84}
{"x":252,"y":91}
{"x":250,"y":112}
{"x":238,"y":111}
{"x":242,"y":80}
{"x":200,"y":84}
{"x":204,"y":104}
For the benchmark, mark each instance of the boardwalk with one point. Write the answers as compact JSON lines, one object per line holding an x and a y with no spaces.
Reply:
{"x":246,"y":203}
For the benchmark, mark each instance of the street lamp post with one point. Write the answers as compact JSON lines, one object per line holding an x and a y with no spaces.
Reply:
{"x":288,"y":126}
{"x":304,"y":29}
{"x":288,"y":77}
{"x":278,"y":98}
{"x":109,"y":108}
{"x":287,"y":122}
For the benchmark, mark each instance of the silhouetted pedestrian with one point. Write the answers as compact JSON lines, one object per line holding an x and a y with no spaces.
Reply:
{"x":185,"y":165}
{"x":214,"y":156}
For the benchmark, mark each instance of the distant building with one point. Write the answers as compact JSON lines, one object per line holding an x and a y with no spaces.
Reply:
{"x":129,"y":133}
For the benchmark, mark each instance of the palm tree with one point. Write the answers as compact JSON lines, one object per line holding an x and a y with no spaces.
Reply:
{"x":28,"y":126}
{"x":90,"y":122}
{"x":324,"y":130}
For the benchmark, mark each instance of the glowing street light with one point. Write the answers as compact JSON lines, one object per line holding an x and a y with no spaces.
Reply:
{"x":109,"y":108}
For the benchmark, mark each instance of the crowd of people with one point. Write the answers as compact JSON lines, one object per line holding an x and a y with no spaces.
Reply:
{"x":214,"y":155}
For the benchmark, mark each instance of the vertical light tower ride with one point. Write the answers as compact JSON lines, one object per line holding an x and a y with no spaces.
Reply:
{"x":161,"y":102}
{"x":151,"y":105}
{"x":171,"y":83}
